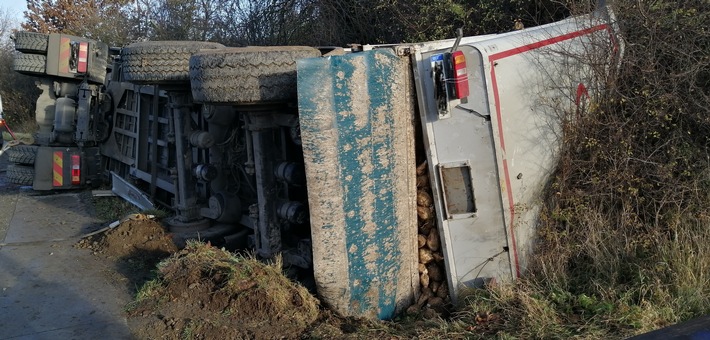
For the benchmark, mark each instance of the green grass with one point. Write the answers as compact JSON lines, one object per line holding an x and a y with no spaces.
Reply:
{"x":150,"y":290}
{"x":27,"y":138}
{"x":251,"y":293}
{"x":113,"y":208}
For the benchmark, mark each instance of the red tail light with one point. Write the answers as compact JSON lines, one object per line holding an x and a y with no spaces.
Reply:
{"x":83,"y":57}
{"x":458,"y":59}
{"x":75,"y":170}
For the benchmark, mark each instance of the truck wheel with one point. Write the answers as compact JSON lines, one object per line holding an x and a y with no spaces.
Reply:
{"x":31,"y":42}
{"x":32,"y":64}
{"x":241,"y":75}
{"x":22,"y":154}
{"x":159,"y":62}
{"x":20,"y":174}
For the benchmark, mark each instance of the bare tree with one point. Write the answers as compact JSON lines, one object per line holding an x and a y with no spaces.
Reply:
{"x":97,"y":19}
{"x":17,"y":91}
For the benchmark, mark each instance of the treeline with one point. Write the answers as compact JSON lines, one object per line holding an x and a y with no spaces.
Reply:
{"x":284,"y":22}
{"x":18,"y":92}
{"x":260,"y":22}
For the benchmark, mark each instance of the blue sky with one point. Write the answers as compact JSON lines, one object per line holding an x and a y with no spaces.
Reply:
{"x":16,"y":7}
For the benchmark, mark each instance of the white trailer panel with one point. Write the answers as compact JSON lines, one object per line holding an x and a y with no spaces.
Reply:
{"x":491,"y":153}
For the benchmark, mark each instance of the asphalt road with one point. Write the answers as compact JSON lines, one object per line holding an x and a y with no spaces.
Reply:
{"x":48,"y":289}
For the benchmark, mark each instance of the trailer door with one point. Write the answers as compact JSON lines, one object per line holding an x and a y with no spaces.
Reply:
{"x":461,"y":151}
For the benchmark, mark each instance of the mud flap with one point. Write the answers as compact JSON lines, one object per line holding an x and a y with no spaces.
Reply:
{"x":53,"y":167}
{"x":43,"y":169}
{"x":356,"y":115}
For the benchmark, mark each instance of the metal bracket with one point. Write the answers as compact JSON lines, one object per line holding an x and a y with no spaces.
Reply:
{"x":404,"y":51}
{"x":459,"y":35}
{"x":130,"y":193}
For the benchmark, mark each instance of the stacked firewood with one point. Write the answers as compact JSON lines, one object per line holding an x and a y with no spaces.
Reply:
{"x":434,"y":290}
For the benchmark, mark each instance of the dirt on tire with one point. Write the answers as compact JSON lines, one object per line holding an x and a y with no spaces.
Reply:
{"x":161,"y":62}
{"x":243,"y":75}
{"x":207,"y":293}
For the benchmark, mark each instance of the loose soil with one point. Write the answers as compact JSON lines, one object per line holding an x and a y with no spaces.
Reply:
{"x":137,"y":245}
{"x":140,"y":236}
{"x":202,"y":292}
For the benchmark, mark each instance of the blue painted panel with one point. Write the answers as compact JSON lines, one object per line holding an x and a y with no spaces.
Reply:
{"x":356,"y":126}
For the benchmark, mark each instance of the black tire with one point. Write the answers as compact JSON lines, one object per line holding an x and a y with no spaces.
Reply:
{"x":32,"y":64}
{"x":243,"y":75}
{"x":161,"y":62}
{"x":22,"y":154}
{"x":31,"y":42}
{"x":20,"y":174}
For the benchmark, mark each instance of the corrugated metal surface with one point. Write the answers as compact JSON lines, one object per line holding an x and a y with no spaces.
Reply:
{"x":356,"y":115}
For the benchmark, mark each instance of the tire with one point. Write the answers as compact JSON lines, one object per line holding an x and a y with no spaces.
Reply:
{"x":22,"y":154}
{"x":31,"y":42}
{"x":161,"y":62}
{"x":20,"y":174}
{"x":243,"y":75}
{"x":32,"y":64}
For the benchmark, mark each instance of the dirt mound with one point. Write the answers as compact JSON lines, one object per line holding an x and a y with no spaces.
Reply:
{"x":206,"y":293}
{"x":135,"y":236}
{"x":137,"y":244}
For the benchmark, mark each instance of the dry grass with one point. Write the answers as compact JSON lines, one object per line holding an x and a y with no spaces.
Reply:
{"x":25,"y":137}
{"x":209,"y":291}
{"x":624,"y":238}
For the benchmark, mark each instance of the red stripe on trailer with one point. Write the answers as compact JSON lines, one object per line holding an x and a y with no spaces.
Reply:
{"x":546,"y":42}
{"x":496,"y":97}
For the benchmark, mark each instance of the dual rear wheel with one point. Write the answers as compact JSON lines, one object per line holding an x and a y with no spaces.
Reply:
{"x":22,"y":170}
{"x":33,"y":59}
{"x":218,"y":74}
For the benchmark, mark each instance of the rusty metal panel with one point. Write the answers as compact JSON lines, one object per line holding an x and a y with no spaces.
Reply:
{"x":356,"y":114}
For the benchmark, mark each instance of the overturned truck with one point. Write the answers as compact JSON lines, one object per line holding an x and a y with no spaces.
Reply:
{"x":390,"y":176}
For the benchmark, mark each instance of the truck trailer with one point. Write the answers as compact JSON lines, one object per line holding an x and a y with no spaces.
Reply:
{"x":387,"y":175}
